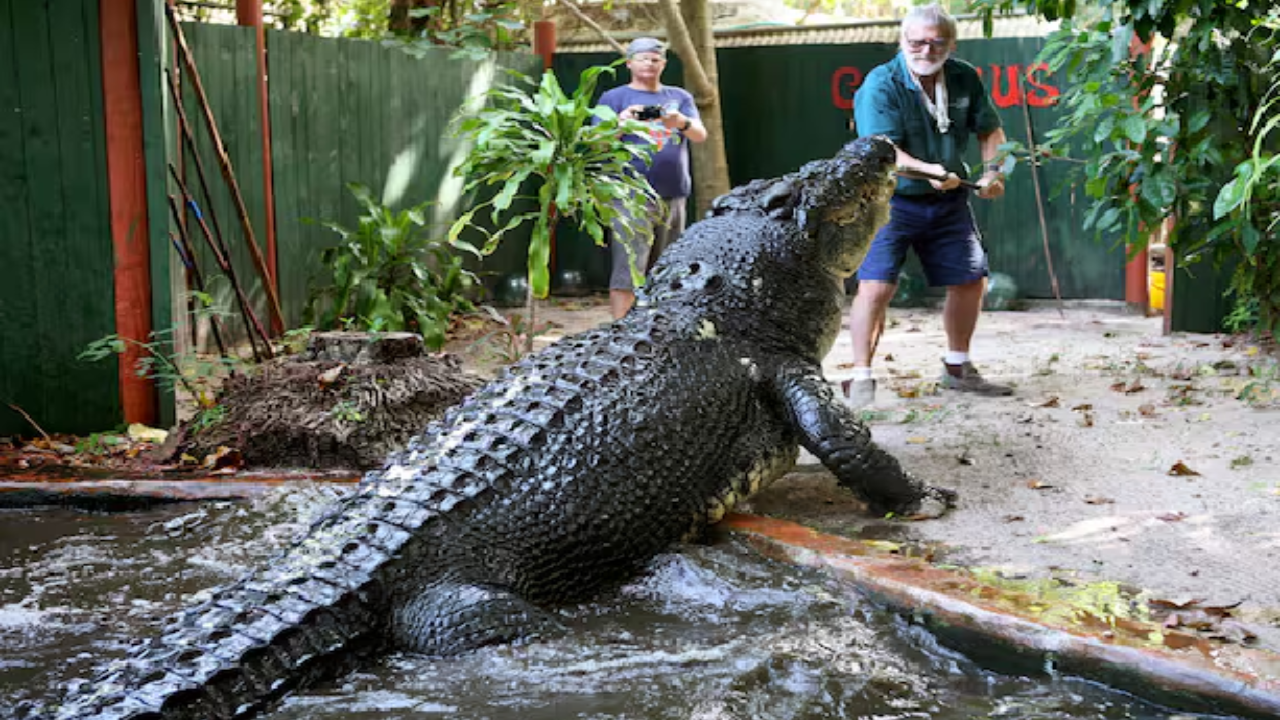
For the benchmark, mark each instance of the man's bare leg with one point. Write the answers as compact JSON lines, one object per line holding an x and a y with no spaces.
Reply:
{"x":960,"y":313}
{"x":866,"y":325}
{"x":959,"y":319}
{"x":620,"y":301}
{"x":867,"y":317}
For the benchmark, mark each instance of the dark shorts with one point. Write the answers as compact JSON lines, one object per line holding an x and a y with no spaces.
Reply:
{"x":941,"y":230}
{"x":664,"y":226}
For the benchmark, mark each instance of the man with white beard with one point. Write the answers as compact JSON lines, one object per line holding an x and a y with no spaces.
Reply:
{"x":928,"y":103}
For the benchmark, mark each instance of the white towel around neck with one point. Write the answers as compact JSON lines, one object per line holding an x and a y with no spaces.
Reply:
{"x":937,"y":105}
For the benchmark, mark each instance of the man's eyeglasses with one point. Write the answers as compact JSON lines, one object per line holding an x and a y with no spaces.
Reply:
{"x":937,"y":44}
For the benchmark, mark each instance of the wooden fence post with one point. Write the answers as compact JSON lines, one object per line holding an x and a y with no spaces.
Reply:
{"x":127,"y":193}
{"x":249,"y":14}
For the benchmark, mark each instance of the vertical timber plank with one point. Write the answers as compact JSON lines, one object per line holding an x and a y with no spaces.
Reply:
{"x":156,"y":143}
{"x":46,"y":214}
{"x":83,"y":300}
{"x":18,"y":325}
{"x":282,"y":100}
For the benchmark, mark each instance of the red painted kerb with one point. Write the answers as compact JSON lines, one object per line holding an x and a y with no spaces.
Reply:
{"x":127,"y":195}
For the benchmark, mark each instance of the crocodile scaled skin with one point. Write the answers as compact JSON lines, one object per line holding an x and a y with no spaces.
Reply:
{"x":567,"y":473}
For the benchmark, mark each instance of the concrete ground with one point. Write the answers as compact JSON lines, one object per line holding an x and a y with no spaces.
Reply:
{"x":1131,"y":468}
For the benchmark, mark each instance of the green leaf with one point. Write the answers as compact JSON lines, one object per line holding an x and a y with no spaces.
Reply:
{"x":1250,"y":237}
{"x":1160,"y":189}
{"x":1135,"y":128}
{"x":1110,"y":220}
{"x":545,"y":152}
{"x":1103,"y":131}
{"x":503,"y":200}
{"x":1230,"y":197}
{"x":1199,"y":119}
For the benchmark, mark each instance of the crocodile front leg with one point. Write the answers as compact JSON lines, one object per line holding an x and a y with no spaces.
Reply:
{"x":832,"y":432}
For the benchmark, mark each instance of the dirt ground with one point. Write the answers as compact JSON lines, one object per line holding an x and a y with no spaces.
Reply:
{"x":1126,"y":458}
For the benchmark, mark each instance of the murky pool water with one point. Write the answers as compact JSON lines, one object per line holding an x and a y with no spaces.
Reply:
{"x":711,"y":633}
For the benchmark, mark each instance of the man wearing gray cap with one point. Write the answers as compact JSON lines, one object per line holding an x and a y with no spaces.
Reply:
{"x":672,"y":117}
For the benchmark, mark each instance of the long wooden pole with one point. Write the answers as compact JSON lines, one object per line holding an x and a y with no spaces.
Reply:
{"x":224,"y":263}
{"x":188,"y":140}
{"x":224,"y":162}
{"x":189,"y":261}
{"x":1035,"y":182}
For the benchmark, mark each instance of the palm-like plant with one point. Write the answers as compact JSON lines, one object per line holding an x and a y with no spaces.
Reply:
{"x":568,"y":150}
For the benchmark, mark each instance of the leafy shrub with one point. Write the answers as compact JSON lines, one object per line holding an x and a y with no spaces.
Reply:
{"x":389,"y":274}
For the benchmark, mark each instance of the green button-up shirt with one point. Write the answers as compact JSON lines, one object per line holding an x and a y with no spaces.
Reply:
{"x":889,"y":103}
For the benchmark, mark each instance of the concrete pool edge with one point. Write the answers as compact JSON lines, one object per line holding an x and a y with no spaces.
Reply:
{"x":1199,"y":676}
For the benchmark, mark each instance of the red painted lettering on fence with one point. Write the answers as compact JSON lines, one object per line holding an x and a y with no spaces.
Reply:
{"x":1011,"y":93}
{"x":1051,"y":93}
{"x":1003,"y":84}
{"x":844,"y":83}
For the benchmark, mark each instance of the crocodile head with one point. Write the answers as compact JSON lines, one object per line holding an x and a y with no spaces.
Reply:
{"x":842,"y":201}
{"x":768,"y":261}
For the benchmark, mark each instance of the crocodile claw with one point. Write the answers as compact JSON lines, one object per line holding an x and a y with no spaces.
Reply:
{"x":933,"y":502}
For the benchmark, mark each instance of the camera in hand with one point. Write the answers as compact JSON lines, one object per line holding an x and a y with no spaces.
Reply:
{"x":650,"y":112}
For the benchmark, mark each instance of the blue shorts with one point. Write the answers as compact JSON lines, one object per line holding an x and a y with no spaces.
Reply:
{"x":942,"y":231}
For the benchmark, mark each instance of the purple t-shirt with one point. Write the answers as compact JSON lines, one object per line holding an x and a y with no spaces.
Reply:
{"x":669,"y":171}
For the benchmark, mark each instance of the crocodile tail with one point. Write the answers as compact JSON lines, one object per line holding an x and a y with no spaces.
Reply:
{"x":313,"y":613}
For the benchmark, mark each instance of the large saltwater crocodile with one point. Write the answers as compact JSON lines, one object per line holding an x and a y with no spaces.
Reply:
{"x":568,"y":472}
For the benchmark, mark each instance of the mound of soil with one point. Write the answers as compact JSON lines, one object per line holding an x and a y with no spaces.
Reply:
{"x":347,"y":402}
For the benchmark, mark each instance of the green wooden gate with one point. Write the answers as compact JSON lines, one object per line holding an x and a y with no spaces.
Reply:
{"x":55,"y":237}
{"x":786,"y":105}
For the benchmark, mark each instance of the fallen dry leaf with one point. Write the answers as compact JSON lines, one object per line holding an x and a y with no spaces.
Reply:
{"x":1085,"y":407}
{"x":1172,"y":517}
{"x":330,"y":376}
{"x":1180,"y":469}
{"x":1035,"y":484}
{"x":1086,"y":420}
{"x":223,"y":459}
{"x":1118,"y":387}
{"x":917,"y":440}
{"x":1147,"y":410}
{"x":1051,"y":402}
{"x":888,"y":358}
{"x":1162,"y":604}
{"x":1099,"y":501}
{"x":1134,"y":387}
{"x":1013,"y":518}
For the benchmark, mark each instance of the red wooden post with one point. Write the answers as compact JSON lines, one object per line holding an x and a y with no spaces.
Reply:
{"x":1135,"y":282}
{"x":249,"y":14}
{"x":1136,"y":291}
{"x":127,"y":197}
{"x":544,"y":44}
{"x":544,"y":41}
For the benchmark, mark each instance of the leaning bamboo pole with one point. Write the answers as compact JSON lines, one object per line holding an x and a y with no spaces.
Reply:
{"x":224,"y":162}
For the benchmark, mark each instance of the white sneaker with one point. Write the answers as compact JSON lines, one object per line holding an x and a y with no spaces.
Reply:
{"x":859,"y":393}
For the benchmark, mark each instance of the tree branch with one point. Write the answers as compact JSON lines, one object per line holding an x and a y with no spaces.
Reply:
{"x":31,"y":420}
{"x":695,"y":74}
{"x":577,"y":11}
